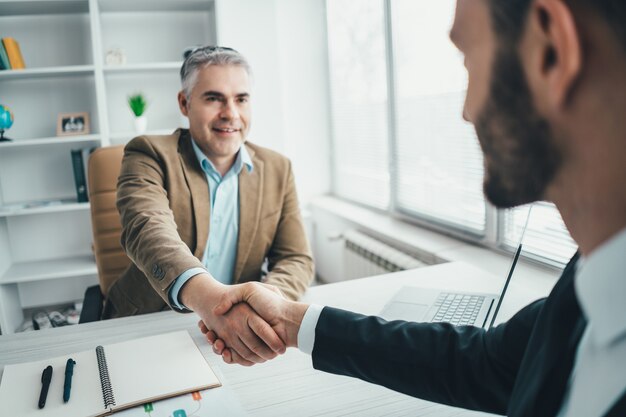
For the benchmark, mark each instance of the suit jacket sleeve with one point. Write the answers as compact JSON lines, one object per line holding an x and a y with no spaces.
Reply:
{"x":461,"y":366}
{"x":149,"y":232}
{"x":289,"y":259}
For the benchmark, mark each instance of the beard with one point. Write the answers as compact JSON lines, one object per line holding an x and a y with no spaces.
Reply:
{"x":520,"y":154}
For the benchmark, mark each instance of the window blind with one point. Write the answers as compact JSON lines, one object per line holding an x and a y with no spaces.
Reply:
{"x":437,"y":157}
{"x":546,"y":237}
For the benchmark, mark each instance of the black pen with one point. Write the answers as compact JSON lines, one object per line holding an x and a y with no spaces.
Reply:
{"x":67,"y":385}
{"x":46,"y":377}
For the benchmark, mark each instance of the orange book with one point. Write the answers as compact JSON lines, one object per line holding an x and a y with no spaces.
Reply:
{"x":13,"y":52}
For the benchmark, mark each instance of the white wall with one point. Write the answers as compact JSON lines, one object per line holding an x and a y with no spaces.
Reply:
{"x":249,"y":26}
{"x":305,"y":93}
{"x":285,"y":43}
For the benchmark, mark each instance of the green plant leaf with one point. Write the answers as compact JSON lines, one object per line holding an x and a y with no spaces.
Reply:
{"x":137,"y":103}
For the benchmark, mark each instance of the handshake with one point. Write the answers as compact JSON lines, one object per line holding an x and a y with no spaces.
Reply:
{"x":246,"y":323}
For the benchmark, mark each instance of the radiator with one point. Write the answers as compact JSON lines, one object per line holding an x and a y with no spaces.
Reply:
{"x":365,"y":256}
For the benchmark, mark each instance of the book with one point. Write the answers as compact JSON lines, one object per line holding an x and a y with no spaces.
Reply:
{"x":80,"y":177}
{"x":86,"y":153}
{"x":109,"y":378}
{"x":12,"y":48}
{"x":4,"y":58}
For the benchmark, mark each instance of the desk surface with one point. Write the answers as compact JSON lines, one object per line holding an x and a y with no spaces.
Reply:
{"x":288,"y":384}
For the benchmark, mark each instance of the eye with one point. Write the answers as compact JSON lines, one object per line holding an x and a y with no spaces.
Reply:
{"x":212,"y":99}
{"x":242,"y":100}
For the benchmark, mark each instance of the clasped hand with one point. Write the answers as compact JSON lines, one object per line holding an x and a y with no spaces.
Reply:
{"x":265,"y":312}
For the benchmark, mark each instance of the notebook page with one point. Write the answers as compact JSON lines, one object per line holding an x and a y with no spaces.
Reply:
{"x":21,"y":385}
{"x":156,"y":367}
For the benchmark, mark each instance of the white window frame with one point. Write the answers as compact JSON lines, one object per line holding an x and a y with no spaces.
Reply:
{"x":493,"y":237}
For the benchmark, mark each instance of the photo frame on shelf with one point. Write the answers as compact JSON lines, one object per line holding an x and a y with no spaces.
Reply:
{"x":73,"y":124}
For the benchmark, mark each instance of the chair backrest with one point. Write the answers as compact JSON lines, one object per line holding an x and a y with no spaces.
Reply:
{"x":104,"y":169}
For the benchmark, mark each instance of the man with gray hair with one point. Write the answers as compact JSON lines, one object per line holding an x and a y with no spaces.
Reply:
{"x":547,"y":96}
{"x":202,"y":208}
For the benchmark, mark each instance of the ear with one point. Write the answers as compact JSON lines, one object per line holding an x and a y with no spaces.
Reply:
{"x":560,"y":47}
{"x":182,"y":103}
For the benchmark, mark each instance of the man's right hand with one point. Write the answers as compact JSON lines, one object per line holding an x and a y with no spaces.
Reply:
{"x":283,"y":315}
{"x":242,"y":329}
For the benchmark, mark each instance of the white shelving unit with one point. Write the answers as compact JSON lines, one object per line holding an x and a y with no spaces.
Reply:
{"x":45,"y":234}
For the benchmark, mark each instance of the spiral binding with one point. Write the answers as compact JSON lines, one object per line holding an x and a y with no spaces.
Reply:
{"x":105,"y":380}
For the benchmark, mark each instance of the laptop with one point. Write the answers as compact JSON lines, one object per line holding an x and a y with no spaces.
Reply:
{"x":459,"y":308}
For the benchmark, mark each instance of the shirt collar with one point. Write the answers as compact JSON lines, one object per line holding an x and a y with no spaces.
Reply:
{"x":601,"y":288}
{"x":243,"y":158}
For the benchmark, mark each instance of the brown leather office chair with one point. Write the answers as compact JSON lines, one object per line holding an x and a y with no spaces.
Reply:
{"x":111,"y":260}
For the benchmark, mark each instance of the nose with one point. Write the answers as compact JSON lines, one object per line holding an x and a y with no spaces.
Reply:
{"x":229,"y":111}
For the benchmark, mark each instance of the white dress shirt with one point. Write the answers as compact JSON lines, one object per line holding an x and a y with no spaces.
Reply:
{"x":599,"y":374}
{"x":306,"y":333}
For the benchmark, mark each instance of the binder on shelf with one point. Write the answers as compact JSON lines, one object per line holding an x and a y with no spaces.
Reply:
{"x":80,"y":164}
{"x":86,"y":152}
{"x":12,"y":48}
{"x":4,"y":58}
{"x":109,"y":378}
{"x":80,"y":179}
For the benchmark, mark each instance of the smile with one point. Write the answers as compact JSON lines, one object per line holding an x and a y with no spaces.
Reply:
{"x":225,"y":130}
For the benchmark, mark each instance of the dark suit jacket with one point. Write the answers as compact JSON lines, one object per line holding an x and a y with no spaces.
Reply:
{"x":163,"y":200}
{"x":520,"y":368}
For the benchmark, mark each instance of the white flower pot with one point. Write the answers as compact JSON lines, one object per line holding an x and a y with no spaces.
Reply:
{"x":141,"y":124}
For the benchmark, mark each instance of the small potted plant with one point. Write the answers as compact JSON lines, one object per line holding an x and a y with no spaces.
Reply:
{"x":138,"y":104}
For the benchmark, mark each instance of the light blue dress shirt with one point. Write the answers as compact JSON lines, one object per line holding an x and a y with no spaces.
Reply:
{"x":221,"y":248}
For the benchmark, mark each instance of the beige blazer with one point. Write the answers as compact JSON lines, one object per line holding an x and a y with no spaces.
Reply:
{"x":163,"y":200}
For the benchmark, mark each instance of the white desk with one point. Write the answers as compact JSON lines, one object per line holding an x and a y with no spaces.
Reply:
{"x":288,"y":385}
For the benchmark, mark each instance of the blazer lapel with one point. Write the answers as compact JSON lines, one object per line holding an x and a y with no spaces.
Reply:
{"x":199,"y":190}
{"x":250,"y":199}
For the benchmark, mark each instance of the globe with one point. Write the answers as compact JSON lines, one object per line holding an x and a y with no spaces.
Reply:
{"x":6,"y":121}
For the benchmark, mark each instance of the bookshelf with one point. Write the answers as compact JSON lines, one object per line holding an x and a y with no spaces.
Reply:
{"x":45,"y":234}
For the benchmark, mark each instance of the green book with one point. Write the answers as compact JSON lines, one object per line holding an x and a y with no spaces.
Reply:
{"x":4,"y":58}
{"x":79,"y":175}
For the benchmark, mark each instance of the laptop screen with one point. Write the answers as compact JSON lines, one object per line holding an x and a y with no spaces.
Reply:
{"x":511,"y":269}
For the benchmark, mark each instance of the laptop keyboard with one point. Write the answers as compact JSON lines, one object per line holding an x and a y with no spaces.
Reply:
{"x":458,"y":309}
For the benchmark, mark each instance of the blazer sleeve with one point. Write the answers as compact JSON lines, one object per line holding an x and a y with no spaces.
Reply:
{"x":290,"y":262}
{"x":149,"y":232}
{"x":460,"y":366}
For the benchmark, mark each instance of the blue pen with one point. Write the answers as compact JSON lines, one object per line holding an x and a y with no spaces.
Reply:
{"x":67,"y":386}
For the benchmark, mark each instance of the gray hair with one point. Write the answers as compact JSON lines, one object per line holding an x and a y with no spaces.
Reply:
{"x":205,"y":56}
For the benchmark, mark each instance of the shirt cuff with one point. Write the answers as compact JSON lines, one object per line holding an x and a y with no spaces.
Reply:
{"x":306,"y":333}
{"x":178,"y":284}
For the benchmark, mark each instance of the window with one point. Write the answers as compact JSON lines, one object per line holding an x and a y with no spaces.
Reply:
{"x":436,"y":149}
{"x":399,"y":140}
{"x":359,"y":100}
{"x":546,"y":238}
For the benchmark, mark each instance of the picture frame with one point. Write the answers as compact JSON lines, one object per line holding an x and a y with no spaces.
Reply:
{"x":69,"y":124}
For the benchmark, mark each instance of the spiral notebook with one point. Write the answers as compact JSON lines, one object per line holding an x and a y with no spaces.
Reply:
{"x":109,"y":378}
